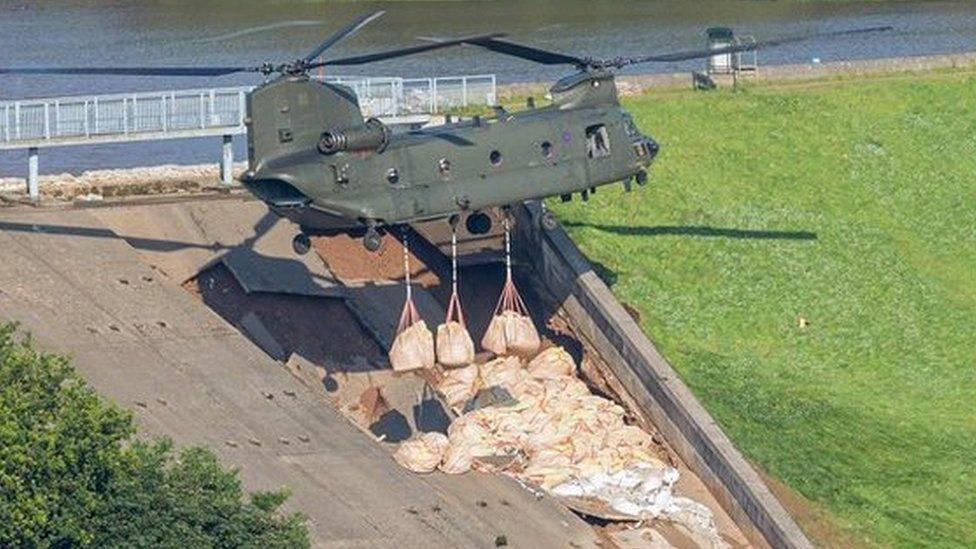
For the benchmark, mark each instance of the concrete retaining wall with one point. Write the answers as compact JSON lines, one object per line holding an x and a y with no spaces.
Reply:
{"x":598,"y":317}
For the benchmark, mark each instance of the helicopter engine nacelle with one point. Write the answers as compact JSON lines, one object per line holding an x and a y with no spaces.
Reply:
{"x":371,"y":136}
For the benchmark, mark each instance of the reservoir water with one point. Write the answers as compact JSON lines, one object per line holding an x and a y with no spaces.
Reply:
{"x":186,"y":32}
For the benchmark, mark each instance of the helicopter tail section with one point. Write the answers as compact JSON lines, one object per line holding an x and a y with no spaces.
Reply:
{"x":288,"y":117}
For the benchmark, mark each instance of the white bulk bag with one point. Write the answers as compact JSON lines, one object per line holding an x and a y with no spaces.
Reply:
{"x":422,"y":454}
{"x":454,"y":345}
{"x":413,"y":347}
{"x":459,"y":385}
{"x":511,"y":330}
{"x":552,"y":363}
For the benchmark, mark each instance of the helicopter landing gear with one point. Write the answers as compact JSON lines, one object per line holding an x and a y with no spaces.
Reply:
{"x":641,"y":178}
{"x":301,"y":244}
{"x":372,"y":239}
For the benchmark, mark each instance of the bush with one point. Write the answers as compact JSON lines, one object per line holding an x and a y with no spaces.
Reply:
{"x":71,"y":474}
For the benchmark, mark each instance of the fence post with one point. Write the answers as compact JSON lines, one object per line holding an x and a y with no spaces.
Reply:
{"x":464,"y":91}
{"x":241,"y":107}
{"x":125,"y":115}
{"x":6,"y":123}
{"x":17,"y":119}
{"x":227,"y":160}
{"x":47,"y":120}
{"x":33,"y":188}
{"x":95,"y":107}
{"x":433,"y":96}
{"x":203,"y":111}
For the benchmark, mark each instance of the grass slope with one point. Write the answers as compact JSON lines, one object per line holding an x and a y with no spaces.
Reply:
{"x":852,"y":205}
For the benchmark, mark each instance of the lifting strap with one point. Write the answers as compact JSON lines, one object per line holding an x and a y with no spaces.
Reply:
{"x":510,"y":299}
{"x":454,"y":305}
{"x":409,"y":316}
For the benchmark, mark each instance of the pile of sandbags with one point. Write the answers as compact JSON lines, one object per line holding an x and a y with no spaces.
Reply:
{"x":557,"y":429}
{"x":413,"y":347}
{"x":556,"y":435}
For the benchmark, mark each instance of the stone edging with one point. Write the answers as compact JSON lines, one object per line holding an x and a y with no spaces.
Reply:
{"x":654,"y":384}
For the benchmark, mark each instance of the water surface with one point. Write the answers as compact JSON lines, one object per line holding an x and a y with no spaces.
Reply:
{"x":181,"y":32}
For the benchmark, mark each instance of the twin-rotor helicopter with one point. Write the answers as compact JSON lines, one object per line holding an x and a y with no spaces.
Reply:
{"x":315,"y":160}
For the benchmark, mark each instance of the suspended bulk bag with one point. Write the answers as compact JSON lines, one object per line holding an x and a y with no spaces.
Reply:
{"x":454,"y":345}
{"x":511,"y":330}
{"x":413,"y":347}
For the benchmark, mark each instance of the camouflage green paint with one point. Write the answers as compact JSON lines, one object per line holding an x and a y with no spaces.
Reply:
{"x":439,"y":171}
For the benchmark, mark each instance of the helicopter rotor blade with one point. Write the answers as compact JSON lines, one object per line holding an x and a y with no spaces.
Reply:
{"x":400,"y":52}
{"x":256,"y":30}
{"x":132,"y":71}
{"x":530,"y":53}
{"x":343,"y":33}
{"x":704,"y":53}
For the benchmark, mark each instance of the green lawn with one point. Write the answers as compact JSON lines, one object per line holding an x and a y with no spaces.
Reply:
{"x":853,"y":205}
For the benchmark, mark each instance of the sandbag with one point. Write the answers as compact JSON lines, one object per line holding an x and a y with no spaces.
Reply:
{"x":494,"y":339}
{"x":459,"y":385}
{"x":502,"y":372}
{"x":422,"y":454}
{"x":454,"y":345}
{"x":552,"y":363}
{"x":413,"y":348}
{"x":457,"y":459}
{"x":510,"y":332}
{"x":521,"y":335}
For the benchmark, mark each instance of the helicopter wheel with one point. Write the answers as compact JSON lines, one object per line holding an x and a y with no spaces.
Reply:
{"x":548,"y":221}
{"x":372,"y":239}
{"x":301,"y":244}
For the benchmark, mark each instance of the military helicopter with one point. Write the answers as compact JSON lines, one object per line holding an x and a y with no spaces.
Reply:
{"x":315,"y":160}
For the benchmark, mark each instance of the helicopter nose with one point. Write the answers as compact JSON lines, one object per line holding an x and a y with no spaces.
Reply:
{"x":652,"y":147}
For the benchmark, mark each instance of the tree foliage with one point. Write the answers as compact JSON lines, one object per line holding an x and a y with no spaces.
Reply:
{"x":72,"y":475}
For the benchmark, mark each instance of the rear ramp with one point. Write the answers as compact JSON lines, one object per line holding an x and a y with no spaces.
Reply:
{"x":142,"y":341}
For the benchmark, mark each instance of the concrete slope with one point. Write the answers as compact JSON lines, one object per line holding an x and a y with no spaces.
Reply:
{"x":145,"y":343}
{"x":182,"y":238}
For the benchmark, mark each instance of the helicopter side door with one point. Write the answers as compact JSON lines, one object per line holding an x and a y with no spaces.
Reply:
{"x":599,"y":152}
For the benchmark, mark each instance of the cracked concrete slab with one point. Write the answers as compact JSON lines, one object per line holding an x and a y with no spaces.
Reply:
{"x":145,"y":343}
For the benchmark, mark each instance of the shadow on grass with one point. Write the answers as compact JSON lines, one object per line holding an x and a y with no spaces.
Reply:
{"x":696,"y":230}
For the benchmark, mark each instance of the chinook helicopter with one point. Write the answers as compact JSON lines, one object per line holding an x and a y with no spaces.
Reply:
{"x":315,"y":160}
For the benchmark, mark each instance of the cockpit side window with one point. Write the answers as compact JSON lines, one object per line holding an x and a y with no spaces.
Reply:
{"x":630,"y":127}
{"x":597,"y":141}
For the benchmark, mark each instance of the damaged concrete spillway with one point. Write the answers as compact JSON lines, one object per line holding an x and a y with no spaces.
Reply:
{"x":289,"y":379}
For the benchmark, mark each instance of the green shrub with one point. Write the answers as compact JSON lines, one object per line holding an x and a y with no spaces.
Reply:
{"x":71,"y":474}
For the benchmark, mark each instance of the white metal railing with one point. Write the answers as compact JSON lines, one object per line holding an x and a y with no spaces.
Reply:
{"x":215,"y":111}
{"x":139,"y":115}
{"x":398,"y":96}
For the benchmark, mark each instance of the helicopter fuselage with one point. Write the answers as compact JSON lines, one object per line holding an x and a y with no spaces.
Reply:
{"x":364,"y":176}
